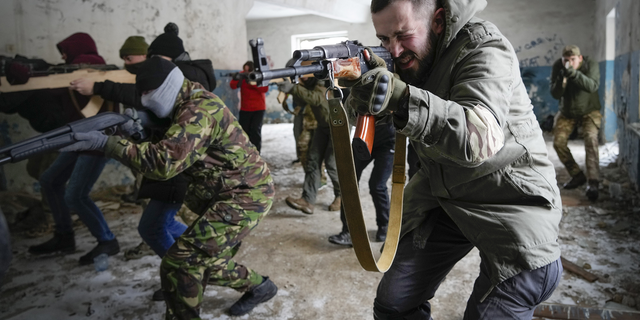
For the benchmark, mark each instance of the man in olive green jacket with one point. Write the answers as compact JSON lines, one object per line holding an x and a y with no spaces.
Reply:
{"x":574,"y":81}
{"x":484,"y":181}
{"x":312,"y":92}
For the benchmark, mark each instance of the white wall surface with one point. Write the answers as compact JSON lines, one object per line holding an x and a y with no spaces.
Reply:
{"x":213,"y":30}
{"x":538,"y":30}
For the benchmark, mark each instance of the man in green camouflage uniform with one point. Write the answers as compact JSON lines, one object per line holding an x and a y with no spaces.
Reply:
{"x":574,"y":81}
{"x":230,"y":187}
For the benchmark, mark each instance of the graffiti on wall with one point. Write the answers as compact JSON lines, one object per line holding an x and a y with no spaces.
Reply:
{"x":535,"y":58}
{"x":553,"y":45}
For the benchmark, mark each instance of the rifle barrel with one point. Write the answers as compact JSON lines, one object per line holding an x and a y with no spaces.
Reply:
{"x":259,"y":76}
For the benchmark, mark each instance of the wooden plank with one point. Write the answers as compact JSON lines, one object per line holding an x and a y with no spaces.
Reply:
{"x":572,"y":267}
{"x":557,"y":311}
{"x":62,"y":80}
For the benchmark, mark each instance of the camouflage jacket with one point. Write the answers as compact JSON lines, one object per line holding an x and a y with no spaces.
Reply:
{"x":580,"y":96}
{"x":206,"y":142}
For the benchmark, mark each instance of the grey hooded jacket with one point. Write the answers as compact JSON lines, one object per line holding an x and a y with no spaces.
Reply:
{"x":483,"y":158}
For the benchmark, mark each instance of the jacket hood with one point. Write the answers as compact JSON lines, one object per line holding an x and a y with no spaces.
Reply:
{"x":77,"y":45}
{"x":457,"y":14}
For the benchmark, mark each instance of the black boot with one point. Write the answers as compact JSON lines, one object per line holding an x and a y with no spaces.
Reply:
{"x":61,"y":242}
{"x":260,"y":293}
{"x":381,"y":235}
{"x":110,"y":247}
{"x":592,"y":190}
{"x":158,"y":295}
{"x":341,"y":239}
{"x":576,"y":181}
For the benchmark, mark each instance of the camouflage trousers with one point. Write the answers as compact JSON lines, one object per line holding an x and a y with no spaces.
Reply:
{"x":590,"y":127}
{"x":204,"y":253}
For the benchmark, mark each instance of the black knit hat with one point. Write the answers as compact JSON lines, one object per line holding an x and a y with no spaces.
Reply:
{"x":167,"y":44}
{"x":152,"y":73}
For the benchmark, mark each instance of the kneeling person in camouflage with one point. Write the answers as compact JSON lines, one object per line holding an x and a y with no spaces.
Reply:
{"x":231,"y":187}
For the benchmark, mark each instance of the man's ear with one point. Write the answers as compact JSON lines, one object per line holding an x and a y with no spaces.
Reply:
{"x":438,"y":24}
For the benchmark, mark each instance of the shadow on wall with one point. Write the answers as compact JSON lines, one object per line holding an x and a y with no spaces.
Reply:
{"x":536,"y":80}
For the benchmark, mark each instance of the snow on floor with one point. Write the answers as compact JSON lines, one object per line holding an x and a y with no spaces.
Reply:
{"x":316,"y":279}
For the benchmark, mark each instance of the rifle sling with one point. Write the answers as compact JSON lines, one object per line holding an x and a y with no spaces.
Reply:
{"x":351,"y":196}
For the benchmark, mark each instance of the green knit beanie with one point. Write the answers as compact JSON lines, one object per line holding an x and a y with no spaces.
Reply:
{"x":134,"y":46}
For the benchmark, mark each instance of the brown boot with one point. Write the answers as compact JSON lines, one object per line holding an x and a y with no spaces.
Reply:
{"x":576,"y":181}
{"x":300,"y":204}
{"x":335,"y":205}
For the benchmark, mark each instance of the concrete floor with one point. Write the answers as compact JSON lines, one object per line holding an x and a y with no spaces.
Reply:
{"x":316,"y":279}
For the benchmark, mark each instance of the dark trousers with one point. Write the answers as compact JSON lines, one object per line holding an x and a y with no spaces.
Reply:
{"x":405,"y":290}
{"x":382,"y":157}
{"x":81,"y":171}
{"x":251,"y":122}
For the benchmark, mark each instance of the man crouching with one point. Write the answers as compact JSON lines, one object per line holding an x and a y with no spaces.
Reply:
{"x":231,"y":187}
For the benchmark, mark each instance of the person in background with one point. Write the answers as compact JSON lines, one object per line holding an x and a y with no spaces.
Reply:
{"x":252,"y":104}
{"x":382,"y":153}
{"x":80,"y":170}
{"x":575,"y":81}
{"x":230,"y":187}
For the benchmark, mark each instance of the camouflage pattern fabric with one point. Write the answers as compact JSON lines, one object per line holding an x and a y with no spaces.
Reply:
{"x":309,"y":125}
{"x":590,"y":127}
{"x":230,"y":189}
{"x":485,"y":134}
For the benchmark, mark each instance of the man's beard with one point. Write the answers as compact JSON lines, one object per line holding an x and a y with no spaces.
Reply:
{"x":418,"y":76}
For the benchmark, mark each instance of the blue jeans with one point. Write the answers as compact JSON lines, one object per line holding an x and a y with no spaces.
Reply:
{"x":81,"y":171}
{"x":158,"y":226}
{"x":416,"y":274}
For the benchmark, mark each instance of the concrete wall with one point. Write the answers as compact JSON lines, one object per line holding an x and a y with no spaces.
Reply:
{"x":623,"y":88}
{"x":33,"y":27}
{"x":277,"y":38}
{"x":538,"y":30}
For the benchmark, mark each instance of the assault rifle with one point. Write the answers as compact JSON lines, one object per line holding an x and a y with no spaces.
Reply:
{"x":344,"y":60}
{"x":20,"y":69}
{"x":63,"y":136}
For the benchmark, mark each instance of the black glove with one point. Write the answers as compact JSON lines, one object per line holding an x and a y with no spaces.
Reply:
{"x":133,"y":126}
{"x":238,"y":76}
{"x":92,"y":140}
{"x":378,"y":91}
{"x":285,"y":86}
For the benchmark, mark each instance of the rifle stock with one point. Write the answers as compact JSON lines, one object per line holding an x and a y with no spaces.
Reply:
{"x":344,"y":60}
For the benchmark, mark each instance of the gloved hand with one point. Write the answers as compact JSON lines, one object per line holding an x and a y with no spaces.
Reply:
{"x":285,"y":86}
{"x":240,"y":76}
{"x":377,"y":91}
{"x":92,"y":140}
{"x":132,"y":126}
{"x":568,"y":70}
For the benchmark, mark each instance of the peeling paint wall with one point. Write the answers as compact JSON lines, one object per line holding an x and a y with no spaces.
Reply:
{"x":625,"y":91}
{"x":214,"y":30}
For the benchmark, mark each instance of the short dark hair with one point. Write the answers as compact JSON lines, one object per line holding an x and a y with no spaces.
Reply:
{"x":379,"y":5}
{"x":248,"y":63}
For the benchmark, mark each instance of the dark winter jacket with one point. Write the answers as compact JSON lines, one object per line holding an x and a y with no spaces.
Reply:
{"x":580,"y":96}
{"x":80,"y":48}
{"x":252,"y":96}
